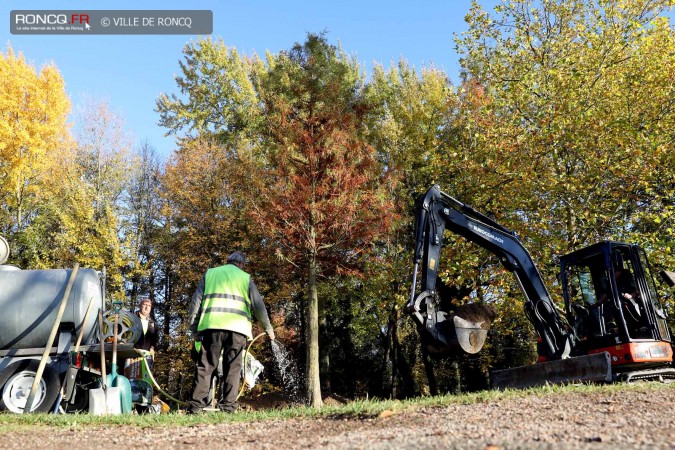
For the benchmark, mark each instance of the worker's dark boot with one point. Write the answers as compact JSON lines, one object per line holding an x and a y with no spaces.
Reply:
{"x":229,"y":408}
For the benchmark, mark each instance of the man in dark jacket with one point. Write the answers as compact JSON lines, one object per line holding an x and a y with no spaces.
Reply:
{"x":221,"y":314}
{"x":149,"y":339}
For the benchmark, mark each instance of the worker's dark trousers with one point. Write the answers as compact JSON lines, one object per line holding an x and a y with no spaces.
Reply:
{"x":214,"y":343}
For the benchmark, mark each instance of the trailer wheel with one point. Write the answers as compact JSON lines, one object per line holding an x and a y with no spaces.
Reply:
{"x":16,"y":382}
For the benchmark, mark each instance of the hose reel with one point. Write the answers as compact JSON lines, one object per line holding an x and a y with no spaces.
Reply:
{"x":129,"y":327}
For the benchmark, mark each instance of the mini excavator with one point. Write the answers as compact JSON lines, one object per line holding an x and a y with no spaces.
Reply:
{"x":613,"y":326}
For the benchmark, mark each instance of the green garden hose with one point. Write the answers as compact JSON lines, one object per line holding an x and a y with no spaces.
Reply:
{"x":243,"y":382}
{"x":157,"y":384}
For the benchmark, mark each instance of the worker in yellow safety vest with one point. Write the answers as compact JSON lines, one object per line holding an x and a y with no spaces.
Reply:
{"x":220,"y":316}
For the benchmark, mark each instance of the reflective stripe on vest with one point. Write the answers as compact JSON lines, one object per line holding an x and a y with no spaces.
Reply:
{"x":225,"y":304}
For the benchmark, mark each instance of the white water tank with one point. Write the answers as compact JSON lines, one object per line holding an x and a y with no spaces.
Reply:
{"x":30,"y":299}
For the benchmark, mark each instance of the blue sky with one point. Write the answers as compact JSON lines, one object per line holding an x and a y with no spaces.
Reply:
{"x":131,"y":71}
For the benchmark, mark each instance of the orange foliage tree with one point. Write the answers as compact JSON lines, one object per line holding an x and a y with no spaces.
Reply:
{"x":318,"y":190}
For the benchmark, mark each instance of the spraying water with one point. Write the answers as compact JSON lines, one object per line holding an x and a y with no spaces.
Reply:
{"x":288,"y":369}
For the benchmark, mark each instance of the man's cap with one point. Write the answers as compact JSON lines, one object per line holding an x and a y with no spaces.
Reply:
{"x":236,"y":257}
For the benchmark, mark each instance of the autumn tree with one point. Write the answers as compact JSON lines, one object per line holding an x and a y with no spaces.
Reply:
{"x":198,"y":208}
{"x":106,"y":163}
{"x":414,"y":111}
{"x":46,"y":209}
{"x":579,"y":88}
{"x":426,"y":132}
{"x":33,"y":135}
{"x":50,"y":211}
{"x":104,"y":152}
{"x":218,"y":100}
{"x":140,"y":223}
{"x":319,"y":189}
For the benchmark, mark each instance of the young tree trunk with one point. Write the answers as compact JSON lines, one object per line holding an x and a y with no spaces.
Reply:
{"x":457,"y":378}
{"x":403,"y":368}
{"x":19,"y":210}
{"x":313,"y":376}
{"x":389,"y":367}
{"x":393,"y":323}
{"x":429,"y":371}
{"x":168,"y":300}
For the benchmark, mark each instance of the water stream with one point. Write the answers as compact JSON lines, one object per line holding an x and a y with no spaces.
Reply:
{"x":288,"y":370}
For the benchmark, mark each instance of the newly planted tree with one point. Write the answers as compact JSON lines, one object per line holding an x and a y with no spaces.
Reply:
{"x":320,"y":192}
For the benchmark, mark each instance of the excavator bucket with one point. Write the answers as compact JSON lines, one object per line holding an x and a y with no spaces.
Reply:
{"x":470,"y":335}
{"x":464,"y":329}
{"x":472,"y":323}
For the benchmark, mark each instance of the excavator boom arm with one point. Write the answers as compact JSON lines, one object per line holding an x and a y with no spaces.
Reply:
{"x":437,"y":211}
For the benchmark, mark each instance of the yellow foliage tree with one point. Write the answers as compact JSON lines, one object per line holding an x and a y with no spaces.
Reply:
{"x":33,"y":134}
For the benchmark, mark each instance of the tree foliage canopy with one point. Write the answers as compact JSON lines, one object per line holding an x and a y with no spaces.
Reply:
{"x":33,"y":134}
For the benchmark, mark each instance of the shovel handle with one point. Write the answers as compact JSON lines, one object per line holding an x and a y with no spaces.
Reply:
{"x":50,"y":341}
{"x":114,"y":357}
{"x":84,"y":324}
{"x":102,"y":339}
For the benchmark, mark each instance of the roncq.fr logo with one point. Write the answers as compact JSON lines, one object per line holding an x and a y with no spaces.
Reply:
{"x":51,"y":19}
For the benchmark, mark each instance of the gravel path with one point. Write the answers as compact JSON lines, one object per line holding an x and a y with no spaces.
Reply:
{"x":640,"y":418}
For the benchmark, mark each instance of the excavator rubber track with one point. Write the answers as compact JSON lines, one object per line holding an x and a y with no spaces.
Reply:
{"x":664,"y":375}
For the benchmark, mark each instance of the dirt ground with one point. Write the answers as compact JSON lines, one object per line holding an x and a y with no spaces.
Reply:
{"x":631,"y":419}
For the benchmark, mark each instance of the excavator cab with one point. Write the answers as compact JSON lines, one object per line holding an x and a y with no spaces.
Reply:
{"x":611,"y":302}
